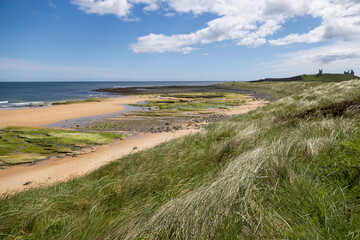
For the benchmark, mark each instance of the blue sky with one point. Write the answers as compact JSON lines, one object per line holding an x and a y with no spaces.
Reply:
{"x":63,"y":40}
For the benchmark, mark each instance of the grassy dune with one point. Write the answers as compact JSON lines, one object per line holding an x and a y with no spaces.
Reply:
{"x":276,"y":89}
{"x":286,"y":88}
{"x":264,"y":175}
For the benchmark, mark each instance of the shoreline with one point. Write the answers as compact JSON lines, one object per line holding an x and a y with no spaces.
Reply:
{"x":215,"y":88}
{"x":54,"y":170}
{"x":38,"y":117}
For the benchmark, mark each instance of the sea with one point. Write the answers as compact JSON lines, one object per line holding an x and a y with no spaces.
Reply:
{"x":35,"y":94}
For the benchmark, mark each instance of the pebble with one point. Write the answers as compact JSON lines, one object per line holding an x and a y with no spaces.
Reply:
{"x":27,"y":183}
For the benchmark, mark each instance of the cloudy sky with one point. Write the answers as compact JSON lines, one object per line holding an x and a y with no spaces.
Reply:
{"x":176,"y":39}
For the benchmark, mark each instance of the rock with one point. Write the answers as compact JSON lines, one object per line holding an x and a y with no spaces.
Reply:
{"x":167,"y":124}
{"x":29,"y":164}
{"x":76,"y":153}
{"x":27,"y":183}
{"x":177,"y":127}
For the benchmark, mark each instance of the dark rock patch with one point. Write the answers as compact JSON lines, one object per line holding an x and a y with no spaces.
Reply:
{"x":186,"y":89}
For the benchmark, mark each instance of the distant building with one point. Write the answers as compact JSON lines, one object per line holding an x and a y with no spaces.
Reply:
{"x":320,"y":73}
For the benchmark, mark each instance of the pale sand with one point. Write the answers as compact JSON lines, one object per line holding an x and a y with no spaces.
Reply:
{"x":249,"y":106}
{"x":36,"y":117}
{"x":49,"y":172}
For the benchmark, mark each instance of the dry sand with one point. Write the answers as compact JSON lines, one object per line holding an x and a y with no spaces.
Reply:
{"x":36,"y":117}
{"x":249,"y":106}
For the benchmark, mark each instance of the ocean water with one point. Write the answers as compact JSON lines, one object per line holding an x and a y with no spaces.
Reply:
{"x":30,"y":94}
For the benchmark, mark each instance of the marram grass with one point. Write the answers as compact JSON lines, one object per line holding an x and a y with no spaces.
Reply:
{"x":251,"y":177}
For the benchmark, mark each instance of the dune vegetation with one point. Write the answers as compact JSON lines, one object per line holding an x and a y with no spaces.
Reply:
{"x":289,"y":170}
{"x":279,"y":89}
{"x":276,"y":89}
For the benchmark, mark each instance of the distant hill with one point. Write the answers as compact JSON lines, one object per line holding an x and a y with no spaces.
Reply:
{"x":327,"y":77}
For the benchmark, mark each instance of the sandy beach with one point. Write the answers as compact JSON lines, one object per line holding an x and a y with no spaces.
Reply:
{"x":52,"y":171}
{"x":36,"y":117}
{"x":56,"y":170}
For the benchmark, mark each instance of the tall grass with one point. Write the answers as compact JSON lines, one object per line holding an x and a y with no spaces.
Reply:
{"x":245,"y":178}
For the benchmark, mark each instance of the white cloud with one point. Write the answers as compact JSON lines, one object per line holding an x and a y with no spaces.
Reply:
{"x":51,"y":4}
{"x":170,"y":14}
{"x":336,"y":57}
{"x":161,"y":43}
{"x":120,"y":8}
{"x":245,"y":22}
{"x":340,"y":20}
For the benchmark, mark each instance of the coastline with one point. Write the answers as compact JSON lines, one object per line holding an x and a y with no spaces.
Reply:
{"x":37,"y":117}
{"x":55,"y":170}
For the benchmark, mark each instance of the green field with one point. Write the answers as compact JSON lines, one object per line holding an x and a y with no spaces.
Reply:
{"x":289,"y":170}
{"x":329,"y":77}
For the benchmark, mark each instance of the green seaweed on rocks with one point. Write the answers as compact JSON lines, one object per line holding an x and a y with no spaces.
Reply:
{"x":195,"y":101}
{"x":77,"y":101}
{"x":26,"y":145}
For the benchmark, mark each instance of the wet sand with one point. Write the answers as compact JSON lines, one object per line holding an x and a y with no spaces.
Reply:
{"x":36,"y":117}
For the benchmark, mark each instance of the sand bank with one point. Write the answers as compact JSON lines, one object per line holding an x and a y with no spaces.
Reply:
{"x":36,"y":117}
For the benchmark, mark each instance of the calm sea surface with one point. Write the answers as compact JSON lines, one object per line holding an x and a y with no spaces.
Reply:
{"x":26,"y":94}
